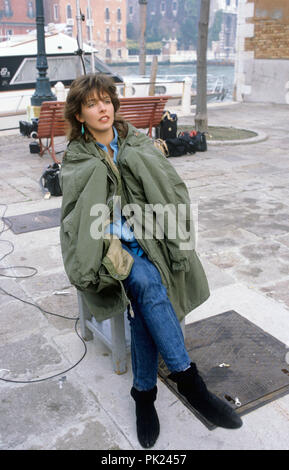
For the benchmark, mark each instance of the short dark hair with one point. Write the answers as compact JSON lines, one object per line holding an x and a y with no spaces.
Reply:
{"x":81,"y":89}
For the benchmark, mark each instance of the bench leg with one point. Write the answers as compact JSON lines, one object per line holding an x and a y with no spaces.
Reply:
{"x":52,"y":152}
{"x":83,"y":316}
{"x":118,"y":344}
{"x":42,"y":148}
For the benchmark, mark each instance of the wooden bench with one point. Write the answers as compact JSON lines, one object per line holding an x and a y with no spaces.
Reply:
{"x":143,"y":113}
{"x":51,"y":124}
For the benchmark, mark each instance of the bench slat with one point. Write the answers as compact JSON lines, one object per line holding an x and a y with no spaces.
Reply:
{"x":143,"y":112}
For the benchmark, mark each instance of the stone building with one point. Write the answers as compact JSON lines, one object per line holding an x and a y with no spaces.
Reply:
{"x":16,"y":17}
{"x":164,"y":18}
{"x":262,"y":62}
{"x":104,"y":26}
{"x":225,"y":46}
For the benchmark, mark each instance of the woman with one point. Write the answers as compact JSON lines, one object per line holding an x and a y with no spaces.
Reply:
{"x":120,"y":261}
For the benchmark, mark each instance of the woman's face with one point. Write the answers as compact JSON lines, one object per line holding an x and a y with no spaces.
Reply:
{"x":98,"y":115}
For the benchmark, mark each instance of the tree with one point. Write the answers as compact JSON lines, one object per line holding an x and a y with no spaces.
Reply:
{"x":201,"y":118}
{"x":188,"y":23}
{"x":182,"y":24}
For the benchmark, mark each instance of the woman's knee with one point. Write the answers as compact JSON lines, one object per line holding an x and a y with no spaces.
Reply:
{"x":143,"y":276}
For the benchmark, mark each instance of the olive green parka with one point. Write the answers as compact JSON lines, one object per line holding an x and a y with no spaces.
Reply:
{"x":96,"y":264}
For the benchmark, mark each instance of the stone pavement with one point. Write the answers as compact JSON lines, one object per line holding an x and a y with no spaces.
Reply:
{"x":240,"y":200}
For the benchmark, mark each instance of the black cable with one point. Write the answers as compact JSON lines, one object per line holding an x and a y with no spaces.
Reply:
{"x":55,"y":375}
{"x":9,"y":129}
{"x":76,"y":319}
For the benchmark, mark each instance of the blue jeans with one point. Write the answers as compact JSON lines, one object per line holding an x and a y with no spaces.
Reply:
{"x":154,"y":326}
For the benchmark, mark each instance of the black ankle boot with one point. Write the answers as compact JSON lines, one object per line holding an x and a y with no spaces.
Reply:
{"x":191,"y":385}
{"x":147,"y":422}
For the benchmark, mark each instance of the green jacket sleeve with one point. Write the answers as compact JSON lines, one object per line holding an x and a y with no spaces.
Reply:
{"x":83,"y":186}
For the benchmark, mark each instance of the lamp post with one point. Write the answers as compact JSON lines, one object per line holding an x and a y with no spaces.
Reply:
{"x":142,"y":38}
{"x":43,"y":89}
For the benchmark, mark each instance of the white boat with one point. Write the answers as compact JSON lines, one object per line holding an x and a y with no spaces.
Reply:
{"x":18,"y":72}
{"x":18,"y":56}
{"x":173,"y":86}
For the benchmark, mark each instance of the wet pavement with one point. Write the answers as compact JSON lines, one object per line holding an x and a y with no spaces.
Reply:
{"x":239,"y":197}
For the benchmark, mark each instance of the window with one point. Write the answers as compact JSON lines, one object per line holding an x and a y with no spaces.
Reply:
{"x":30,"y":10}
{"x":7,"y":9}
{"x":119,"y":35}
{"x":56,"y":12}
{"x":68,"y":11}
{"x":228,"y":3}
{"x":163,"y":7}
{"x":118,"y":15}
{"x":175,"y":7}
{"x":119,"y":52}
{"x":107,"y":35}
{"x":160,"y":90}
{"x":108,"y":53}
{"x":130,"y":10}
{"x":107,"y":14}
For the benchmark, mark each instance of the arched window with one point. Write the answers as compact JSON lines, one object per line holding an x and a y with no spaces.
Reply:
{"x":107,"y":14}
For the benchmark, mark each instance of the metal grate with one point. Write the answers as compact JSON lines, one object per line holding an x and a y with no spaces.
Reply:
{"x":239,"y":362}
{"x":33,"y":221}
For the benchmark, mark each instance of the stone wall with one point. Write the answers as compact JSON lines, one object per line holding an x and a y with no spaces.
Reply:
{"x":262,"y":59}
{"x":271,"y":30}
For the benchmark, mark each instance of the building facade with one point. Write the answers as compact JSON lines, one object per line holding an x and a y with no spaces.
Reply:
{"x":262,"y":62}
{"x":161,"y":10}
{"x":16,"y":17}
{"x":164,"y":19}
{"x":225,"y":46}
{"x":104,"y":26}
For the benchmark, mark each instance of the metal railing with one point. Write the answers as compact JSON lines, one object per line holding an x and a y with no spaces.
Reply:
{"x":11,"y":107}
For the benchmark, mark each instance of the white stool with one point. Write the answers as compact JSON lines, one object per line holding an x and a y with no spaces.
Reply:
{"x":113,"y":332}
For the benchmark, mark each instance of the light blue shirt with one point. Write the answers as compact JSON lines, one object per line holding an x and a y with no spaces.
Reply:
{"x":120,"y":227}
